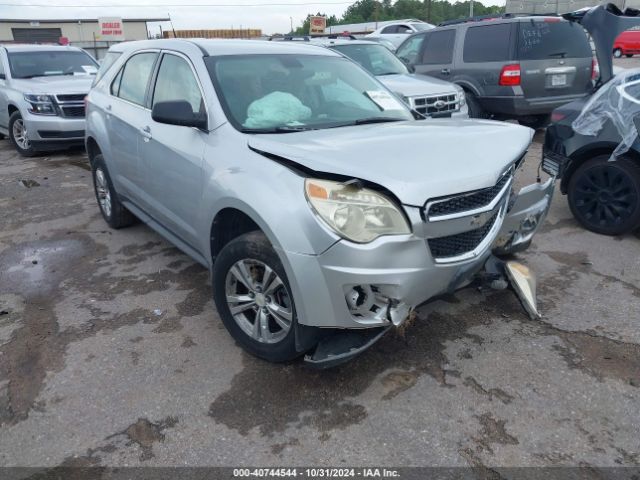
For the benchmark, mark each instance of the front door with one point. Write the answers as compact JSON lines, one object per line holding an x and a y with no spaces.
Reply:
{"x":173,"y":155}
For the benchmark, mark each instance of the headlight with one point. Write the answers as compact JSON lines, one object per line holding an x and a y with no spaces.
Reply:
{"x":41,"y":104}
{"x":462,"y":99}
{"x":357,"y":214}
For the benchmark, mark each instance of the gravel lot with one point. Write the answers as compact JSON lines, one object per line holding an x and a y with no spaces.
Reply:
{"x":112,"y":353}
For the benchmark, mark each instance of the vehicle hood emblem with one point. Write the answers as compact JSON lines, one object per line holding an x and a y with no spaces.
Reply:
{"x":439,"y":104}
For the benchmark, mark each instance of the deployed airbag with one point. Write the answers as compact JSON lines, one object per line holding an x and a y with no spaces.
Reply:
{"x":276,"y":109}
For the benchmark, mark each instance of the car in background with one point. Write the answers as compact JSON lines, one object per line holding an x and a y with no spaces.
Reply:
{"x":323,"y":210}
{"x":627,"y":43}
{"x":42,"y":91}
{"x":383,"y":41}
{"x":591,"y":144}
{"x":397,"y":32}
{"x":428,"y":96}
{"x":510,"y":67}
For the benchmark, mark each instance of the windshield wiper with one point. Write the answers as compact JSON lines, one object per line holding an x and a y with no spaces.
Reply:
{"x":281,"y":129}
{"x":558,"y":54}
{"x":387,"y":73}
{"x":364,"y":121}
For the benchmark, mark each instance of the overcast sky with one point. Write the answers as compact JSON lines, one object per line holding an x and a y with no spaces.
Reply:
{"x":186,"y":14}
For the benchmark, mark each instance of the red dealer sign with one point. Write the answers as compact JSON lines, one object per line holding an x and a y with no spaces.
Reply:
{"x":110,"y":29}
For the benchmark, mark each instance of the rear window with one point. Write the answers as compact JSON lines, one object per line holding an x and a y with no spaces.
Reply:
{"x":542,"y":40}
{"x":487,"y":43}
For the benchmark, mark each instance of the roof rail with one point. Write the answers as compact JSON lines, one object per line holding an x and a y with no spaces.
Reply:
{"x":308,"y":38}
{"x":480,"y":18}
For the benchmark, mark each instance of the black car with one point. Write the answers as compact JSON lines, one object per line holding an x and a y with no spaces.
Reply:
{"x":603,"y":188}
{"x":511,"y":67}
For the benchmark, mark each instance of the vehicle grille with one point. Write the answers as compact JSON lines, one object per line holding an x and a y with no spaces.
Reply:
{"x":73,"y":111}
{"x":468,"y":201}
{"x":437,"y":105}
{"x":74,"y":97}
{"x":61,"y":134}
{"x":458,"y":244}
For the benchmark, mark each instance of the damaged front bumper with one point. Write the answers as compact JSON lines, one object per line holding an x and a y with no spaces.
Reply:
{"x":526,"y":214}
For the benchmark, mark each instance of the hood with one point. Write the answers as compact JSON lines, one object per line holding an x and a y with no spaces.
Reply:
{"x":54,"y":84}
{"x":413,"y":86}
{"x":415,"y":160}
{"x":604,"y":23}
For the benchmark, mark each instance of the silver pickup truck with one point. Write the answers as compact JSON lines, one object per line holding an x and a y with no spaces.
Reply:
{"x":42,"y":90}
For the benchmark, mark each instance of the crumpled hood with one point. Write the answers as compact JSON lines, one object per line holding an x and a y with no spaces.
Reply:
{"x":55,"y":85}
{"x":414,"y":86}
{"x":415,"y":160}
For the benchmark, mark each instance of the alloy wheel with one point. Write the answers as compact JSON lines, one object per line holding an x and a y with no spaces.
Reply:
{"x":259,"y":301}
{"x":605,"y":196}
{"x":20,"y":134}
{"x":103,"y":192}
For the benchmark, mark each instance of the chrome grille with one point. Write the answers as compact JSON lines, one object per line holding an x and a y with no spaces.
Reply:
{"x":72,"y":111}
{"x":468,"y":201}
{"x":435,"y":105}
{"x":73,"y":97}
{"x":71,"y":104}
{"x":461,"y":243}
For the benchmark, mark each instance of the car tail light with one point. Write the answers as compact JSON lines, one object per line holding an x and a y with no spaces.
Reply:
{"x":595,"y":69}
{"x":510,"y":75}
{"x":557,"y":117}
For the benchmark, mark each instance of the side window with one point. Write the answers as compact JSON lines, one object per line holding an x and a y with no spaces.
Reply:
{"x":2,"y":74}
{"x":439,"y":47}
{"x":135,"y":77}
{"x":488,"y":43}
{"x":176,"y":81}
{"x":410,"y":49}
{"x":390,"y":29}
{"x":404,"y":29}
{"x":108,"y":60}
{"x":115,"y":85}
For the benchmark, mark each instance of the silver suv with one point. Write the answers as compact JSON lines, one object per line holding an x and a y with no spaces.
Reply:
{"x":323,"y":210}
{"x":428,"y":96}
{"x":42,"y":90}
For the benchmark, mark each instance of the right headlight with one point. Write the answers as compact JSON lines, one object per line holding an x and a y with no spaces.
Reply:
{"x":357,"y":214}
{"x":41,"y":104}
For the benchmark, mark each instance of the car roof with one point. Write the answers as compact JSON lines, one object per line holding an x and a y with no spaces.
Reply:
{"x":337,"y":42}
{"x":26,"y":47}
{"x":492,"y":20}
{"x":217,"y":47}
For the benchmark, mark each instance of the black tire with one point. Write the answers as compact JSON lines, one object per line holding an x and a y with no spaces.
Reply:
{"x":475,"y":109}
{"x":628,"y":55}
{"x":535,"y":121}
{"x":26,"y":150}
{"x":604,"y":196}
{"x":254,"y":248}
{"x":617,"y":53}
{"x":117,"y":216}
{"x":1,"y":136}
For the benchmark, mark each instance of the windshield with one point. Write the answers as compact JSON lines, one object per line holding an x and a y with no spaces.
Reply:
{"x":287,"y":93}
{"x":552,"y":39}
{"x":422,"y":26}
{"x":374,"y":58}
{"x":48,"y":62}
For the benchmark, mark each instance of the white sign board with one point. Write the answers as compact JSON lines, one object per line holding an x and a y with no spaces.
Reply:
{"x":110,"y":29}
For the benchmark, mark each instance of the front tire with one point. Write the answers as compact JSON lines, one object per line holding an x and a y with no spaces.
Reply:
{"x":628,"y":55}
{"x":253,"y":298}
{"x":19,"y":136}
{"x":535,"y":121}
{"x":604,"y":196}
{"x":617,"y":53}
{"x":112,"y":209}
{"x":475,"y":109}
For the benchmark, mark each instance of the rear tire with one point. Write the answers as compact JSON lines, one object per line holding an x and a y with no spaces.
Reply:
{"x":249,"y":278}
{"x":112,"y":209}
{"x":604,"y":196}
{"x":617,"y":53}
{"x":475,"y":109}
{"x":535,"y":121}
{"x":629,"y":55}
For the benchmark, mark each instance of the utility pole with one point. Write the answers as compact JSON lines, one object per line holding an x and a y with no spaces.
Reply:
{"x":291,"y":18}
{"x":471,"y":9}
{"x":428,"y":11}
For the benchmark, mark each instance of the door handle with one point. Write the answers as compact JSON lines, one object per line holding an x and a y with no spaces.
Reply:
{"x":108,"y":108}
{"x":445,"y":71}
{"x":146,"y":133}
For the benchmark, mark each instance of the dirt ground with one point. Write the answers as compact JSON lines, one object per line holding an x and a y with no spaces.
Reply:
{"x":112,"y":353}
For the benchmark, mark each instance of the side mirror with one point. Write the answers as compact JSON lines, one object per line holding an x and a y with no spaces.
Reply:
{"x":408,"y":64}
{"x":178,"y":112}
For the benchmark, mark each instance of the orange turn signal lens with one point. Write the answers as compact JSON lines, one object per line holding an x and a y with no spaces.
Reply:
{"x":316,"y":191}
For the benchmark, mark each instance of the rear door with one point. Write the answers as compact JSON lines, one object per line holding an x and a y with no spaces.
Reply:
{"x":555,"y":58}
{"x":437,"y":54}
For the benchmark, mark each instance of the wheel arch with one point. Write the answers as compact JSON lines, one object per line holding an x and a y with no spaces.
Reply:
{"x":92,"y":148}
{"x":12,"y":108}
{"x":585,"y":153}
{"x":229,"y":223}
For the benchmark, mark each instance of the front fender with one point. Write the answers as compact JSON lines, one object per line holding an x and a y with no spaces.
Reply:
{"x":523,"y":220}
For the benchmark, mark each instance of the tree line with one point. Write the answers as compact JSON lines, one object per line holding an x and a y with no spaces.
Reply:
{"x":431,"y":11}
